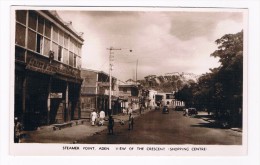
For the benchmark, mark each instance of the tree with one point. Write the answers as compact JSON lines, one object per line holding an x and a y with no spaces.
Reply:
{"x":221,"y":90}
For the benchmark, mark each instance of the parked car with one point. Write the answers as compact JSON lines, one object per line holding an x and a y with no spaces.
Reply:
{"x":179,"y":108}
{"x":165,"y":109}
{"x":192,"y":111}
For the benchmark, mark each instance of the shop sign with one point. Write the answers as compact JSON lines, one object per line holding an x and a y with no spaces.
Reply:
{"x":55,"y":95}
{"x":44,"y":67}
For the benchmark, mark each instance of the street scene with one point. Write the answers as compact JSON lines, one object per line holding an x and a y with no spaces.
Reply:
{"x":129,"y":76}
{"x":152,"y":127}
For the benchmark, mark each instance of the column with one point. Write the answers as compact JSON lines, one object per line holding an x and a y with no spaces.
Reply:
{"x":24,"y":96}
{"x":49,"y":101}
{"x":66,"y":111}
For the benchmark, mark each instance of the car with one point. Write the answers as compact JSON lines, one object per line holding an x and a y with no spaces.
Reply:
{"x":179,"y":108}
{"x":165,"y":109}
{"x":192,"y":111}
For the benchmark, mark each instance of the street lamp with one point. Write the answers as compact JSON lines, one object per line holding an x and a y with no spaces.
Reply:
{"x":110,"y":74}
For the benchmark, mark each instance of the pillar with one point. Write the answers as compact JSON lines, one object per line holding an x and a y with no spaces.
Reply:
{"x":49,"y":101}
{"x":24,"y":96}
{"x":66,"y":112}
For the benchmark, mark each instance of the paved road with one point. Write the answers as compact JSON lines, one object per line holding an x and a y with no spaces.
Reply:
{"x":173,"y":128}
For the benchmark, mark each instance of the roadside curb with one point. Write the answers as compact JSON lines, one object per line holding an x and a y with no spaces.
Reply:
{"x":212,"y":121}
{"x":236,"y":129}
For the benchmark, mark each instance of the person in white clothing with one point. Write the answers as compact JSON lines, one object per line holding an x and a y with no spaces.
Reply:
{"x":130,"y":110}
{"x":102,"y":117}
{"x":93,"y":117}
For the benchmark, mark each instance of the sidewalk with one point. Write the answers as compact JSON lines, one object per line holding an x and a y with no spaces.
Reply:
{"x":210,"y":119}
{"x":73,"y":134}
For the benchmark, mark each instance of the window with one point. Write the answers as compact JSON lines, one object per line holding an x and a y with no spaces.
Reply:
{"x":124,"y":90}
{"x":47,"y":46}
{"x":21,"y":16}
{"x":66,"y":41}
{"x":169,"y":96}
{"x":75,"y":60}
{"x":32,"y":20}
{"x":55,"y":50}
{"x":20,"y":35}
{"x":71,"y":59}
{"x":55,"y":34}
{"x":39,"y":44}
{"x":60,"y":38}
{"x":79,"y":62}
{"x":47,"y":31}
{"x":71,"y":45}
{"x":31,"y":40}
{"x":60,"y":53}
{"x":40,"y":25}
{"x":65,"y":56}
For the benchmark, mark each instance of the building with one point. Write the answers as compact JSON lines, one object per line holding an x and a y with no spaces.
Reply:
{"x":151,"y":95}
{"x":129,"y":94}
{"x":47,"y":69}
{"x":95,"y":93}
{"x":168,"y":99}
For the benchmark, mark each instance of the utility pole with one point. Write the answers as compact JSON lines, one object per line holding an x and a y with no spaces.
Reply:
{"x":111,"y":58}
{"x":136,"y":71}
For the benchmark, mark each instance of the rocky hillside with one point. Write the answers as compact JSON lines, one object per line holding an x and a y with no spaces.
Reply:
{"x":168,"y":83}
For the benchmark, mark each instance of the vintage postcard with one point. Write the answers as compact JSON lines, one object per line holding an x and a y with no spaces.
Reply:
{"x":135,"y":81}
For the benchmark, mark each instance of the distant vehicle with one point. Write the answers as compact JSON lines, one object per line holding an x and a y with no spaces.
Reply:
{"x":179,"y":108}
{"x":165,"y":109}
{"x":192,"y":111}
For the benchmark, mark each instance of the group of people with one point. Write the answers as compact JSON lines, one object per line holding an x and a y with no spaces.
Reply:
{"x":97,"y":119}
{"x":128,"y":110}
{"x":111,"y":124}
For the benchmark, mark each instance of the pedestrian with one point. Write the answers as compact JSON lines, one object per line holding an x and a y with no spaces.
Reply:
{"x":131,"y":122}
{"x":140,"y":109}
{"x":93,"y":117}
{"x":110,"y":125}
{"x":17,"y":130}
{"x":187,"y":112}
{"x":102,"y":117}
{"x":143,"y":108}
{"x":124,"y":111}
{"x":130,"y":110}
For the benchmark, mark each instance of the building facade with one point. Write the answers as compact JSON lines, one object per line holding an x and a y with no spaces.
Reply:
{"x":95,"y":93}
{"x":47,"y":69}
{"x":151,"y":101}
{"x":129,"y":94}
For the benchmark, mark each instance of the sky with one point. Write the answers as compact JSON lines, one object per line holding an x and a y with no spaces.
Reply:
{"x":161,"y":41}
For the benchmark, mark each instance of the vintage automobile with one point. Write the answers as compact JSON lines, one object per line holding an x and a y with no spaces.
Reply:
{"x":192,"y":111}
{"x":179,"y":108}
{"x":165,"y":109}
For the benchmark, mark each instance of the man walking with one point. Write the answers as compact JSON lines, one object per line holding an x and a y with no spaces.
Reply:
{"x":110,"y":125}
{"x":131,"y":122}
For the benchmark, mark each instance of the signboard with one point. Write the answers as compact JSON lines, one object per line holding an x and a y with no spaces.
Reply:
{"x":55,"y":95}
{"x":51,"y":69}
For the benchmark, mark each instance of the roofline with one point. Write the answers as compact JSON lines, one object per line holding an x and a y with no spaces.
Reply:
{"x":96,"y":71}
{"x":61,"y":22}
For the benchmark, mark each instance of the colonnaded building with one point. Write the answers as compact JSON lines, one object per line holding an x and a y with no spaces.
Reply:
{"x":47,"y":69}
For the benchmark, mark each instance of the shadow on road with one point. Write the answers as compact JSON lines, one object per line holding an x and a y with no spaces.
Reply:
{"x":204,"y":116}
{"x":208,"y":125}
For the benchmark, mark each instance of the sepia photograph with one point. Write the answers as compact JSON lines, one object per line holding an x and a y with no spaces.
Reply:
{"x":106,"y":78}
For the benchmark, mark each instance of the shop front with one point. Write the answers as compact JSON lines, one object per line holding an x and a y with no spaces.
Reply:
{"x":46,"y":93}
